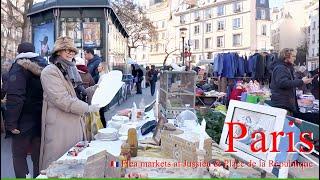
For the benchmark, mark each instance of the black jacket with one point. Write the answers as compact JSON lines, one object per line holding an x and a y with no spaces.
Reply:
{"x":93,"y":67}
{"x":283,"y":86}
{"x":25,"y":94}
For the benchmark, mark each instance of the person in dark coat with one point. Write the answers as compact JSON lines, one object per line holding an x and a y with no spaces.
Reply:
{"x":283,"y":85}
{"x":315,"y":84}
{"x":137,"y":73}
{"x":153,"y":77}
{"x":24,"y":108}
{"x":93,"y":63}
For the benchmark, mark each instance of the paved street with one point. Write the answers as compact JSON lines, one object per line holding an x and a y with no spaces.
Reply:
{"x":6,"y":157}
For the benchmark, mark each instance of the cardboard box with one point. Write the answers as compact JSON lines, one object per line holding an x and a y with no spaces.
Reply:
{"x":183,"y":146}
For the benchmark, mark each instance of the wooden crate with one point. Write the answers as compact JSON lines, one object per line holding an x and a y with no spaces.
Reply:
{"x":183,"y":146}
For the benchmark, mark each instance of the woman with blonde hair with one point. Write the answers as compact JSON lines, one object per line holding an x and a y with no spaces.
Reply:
{"x":103,"y":70}
{"x":64,"y":103}
{"x":283,"y":84}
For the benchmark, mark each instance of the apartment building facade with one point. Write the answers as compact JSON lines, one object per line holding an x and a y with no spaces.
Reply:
{"x":213,"y":26}
{"x":241,"y":26}
{"x":313,"y":36}
{"x":289,"y":24}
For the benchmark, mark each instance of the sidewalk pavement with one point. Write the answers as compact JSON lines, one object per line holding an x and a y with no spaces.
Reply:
{"x":6,"y":156}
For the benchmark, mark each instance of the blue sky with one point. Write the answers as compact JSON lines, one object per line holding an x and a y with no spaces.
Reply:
{"x":276,"y":3}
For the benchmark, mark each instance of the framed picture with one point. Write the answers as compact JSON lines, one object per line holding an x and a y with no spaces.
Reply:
{"x":255,"y":118}
{"x":157,"y":133}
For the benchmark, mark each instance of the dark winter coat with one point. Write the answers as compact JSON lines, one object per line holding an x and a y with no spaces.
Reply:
{"x":153,"y":75}
{"x":93,"y":67}
{"x":25,"y":94}
{"x":283,"y":86}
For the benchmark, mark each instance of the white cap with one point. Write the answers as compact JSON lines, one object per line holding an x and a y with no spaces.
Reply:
{"x":80,"y":61}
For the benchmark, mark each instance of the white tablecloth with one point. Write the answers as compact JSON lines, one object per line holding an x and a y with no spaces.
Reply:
{"x":112,"y":147}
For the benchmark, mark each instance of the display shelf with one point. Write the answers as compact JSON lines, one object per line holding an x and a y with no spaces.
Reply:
{"x":177,"y":90}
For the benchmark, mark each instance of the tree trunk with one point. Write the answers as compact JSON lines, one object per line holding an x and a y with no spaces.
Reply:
{"x":165,"y":60}
{"x":26,"y":24}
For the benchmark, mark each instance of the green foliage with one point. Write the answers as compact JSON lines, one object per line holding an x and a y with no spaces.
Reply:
{"x":214,"y":123}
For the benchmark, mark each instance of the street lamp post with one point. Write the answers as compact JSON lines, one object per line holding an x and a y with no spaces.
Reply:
{"x":183,"y":35}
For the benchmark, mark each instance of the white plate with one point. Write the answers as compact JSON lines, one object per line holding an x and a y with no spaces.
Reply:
{"x":108,"y":131}
{"x":97,"y":137}
{"x":108,"y":88}
{"x":120,"y":118}
{"x":114,"y":124}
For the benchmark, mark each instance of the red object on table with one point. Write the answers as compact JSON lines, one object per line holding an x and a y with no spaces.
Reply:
{"x":236,"y":94}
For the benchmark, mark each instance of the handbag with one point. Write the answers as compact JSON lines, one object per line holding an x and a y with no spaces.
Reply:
{"x":93,"y":124}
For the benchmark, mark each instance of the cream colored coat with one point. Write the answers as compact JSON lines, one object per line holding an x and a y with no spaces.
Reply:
{"x":62,"y":116}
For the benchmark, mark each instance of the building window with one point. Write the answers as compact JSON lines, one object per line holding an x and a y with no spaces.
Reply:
{"x":182,"y":19}
{"x":264,"y":30}
{"x":196,"y":29}
{"x":196,"y":44}
{"x":237,"y":7}
{"x":220,"y":25}
{"x":143,"y":56}
{"x":196,"y":15}
{"x":207,"y":13}
{"x":314,"y":25}
{"x":236,"y":39}
{"x":157,"y":47}
{"x":162,"y":24}
{"x":263,"y":14}
{"x":207,"y":43}
{"x":262,"y":1}
{"x":276,"y":17}
{"x":163,"y":35}
{"x":220,"y":40}
{"x":236,"y":23}
{"x":220,"y":10}
{"x":312,"y":52}
{"x":313,"y":38}
{"x":208,"y":27}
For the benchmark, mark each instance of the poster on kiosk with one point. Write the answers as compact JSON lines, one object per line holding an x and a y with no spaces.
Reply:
{"x":44,"y":39}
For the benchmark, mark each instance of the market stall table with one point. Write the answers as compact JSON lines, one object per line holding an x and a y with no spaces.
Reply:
{"x":213,"y":98}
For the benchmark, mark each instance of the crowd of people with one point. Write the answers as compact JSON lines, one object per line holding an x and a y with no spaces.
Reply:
{"x":45,"y":104}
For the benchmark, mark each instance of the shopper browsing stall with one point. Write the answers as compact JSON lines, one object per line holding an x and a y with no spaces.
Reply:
{"x":64,"y":103}
{"x":283,"y":85}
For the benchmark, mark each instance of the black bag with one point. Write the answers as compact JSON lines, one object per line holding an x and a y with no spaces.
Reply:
{"x":148,"y":127}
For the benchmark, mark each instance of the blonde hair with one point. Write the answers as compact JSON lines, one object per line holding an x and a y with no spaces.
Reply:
{"x":105,"y":66}
{"x":285,"y":53}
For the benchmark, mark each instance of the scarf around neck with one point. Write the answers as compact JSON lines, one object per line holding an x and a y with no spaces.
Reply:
{"x":71,"y":70}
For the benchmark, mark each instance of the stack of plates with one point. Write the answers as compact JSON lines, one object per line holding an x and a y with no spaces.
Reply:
{"x":107,"y":134}
{"x":118,"y":118}
{"x":114,"y":124}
